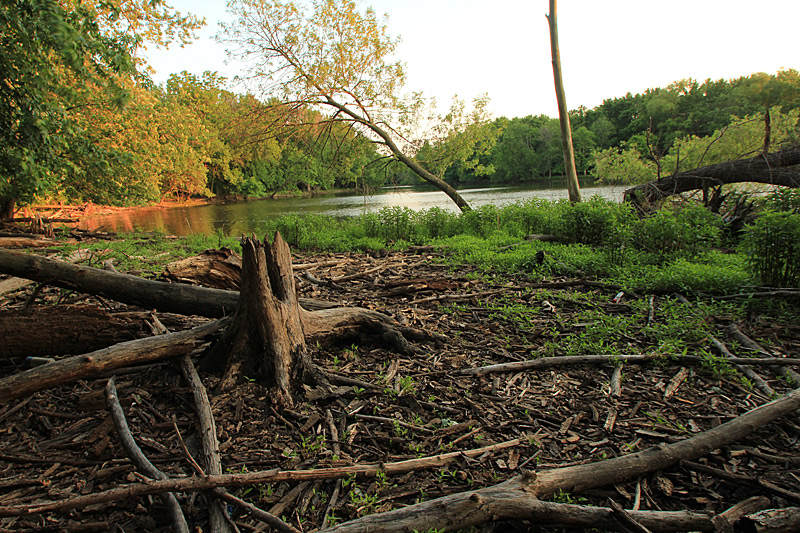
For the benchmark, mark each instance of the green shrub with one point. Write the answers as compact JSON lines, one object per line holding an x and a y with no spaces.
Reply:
{"x":772,"y":245}
{"x":396,"y":223}
{"x":595,"y":222}
{"x":671,"y":233}
{"x":436,"y":222}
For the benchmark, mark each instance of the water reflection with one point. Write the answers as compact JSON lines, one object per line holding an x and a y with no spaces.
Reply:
{"x":247,"y":217}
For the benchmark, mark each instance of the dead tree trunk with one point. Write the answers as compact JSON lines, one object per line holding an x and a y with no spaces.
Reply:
{"x":266,"y":339}
{"x":774,"y":169}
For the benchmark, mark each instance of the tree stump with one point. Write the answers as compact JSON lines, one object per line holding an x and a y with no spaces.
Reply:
{"x":266,"y":340}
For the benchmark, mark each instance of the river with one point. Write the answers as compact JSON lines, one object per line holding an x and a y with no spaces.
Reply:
{"x":236,"y":218}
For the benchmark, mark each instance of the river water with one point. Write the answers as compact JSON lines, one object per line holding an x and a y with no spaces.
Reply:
{"x":236,"y":218}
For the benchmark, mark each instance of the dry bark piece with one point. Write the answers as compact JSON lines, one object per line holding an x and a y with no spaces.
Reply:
{"x":785,"y":520}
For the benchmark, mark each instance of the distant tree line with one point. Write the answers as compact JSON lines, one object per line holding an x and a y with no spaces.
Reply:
{"x":80,"y":121}
{"x":626,"y":139}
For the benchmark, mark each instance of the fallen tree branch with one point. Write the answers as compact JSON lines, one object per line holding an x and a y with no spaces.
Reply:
{"x":120,"y":355}
{"x":567,"y":360}
{"x":208,"y":437}
{"x":734,"y":331}
{"x":139,"y":459}
{"x":742,"y":479}
{"x":516,"y":498}
{"x":187,"y":484}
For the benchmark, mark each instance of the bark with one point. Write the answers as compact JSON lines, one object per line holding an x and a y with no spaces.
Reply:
{"x":168,"y":297}
{"x":208,"y":437}
{"x":772,"y":521}
{"x":774,"y":169}
{"x":563,"y":113}
{"x":117,"y":356}
{"x":516,"y":498}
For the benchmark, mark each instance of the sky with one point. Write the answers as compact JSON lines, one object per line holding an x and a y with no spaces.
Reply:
{"x":502,"y":47}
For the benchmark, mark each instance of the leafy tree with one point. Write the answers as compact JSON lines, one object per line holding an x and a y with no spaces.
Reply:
{"x":44,"y":52}
{"x":335,"y":57}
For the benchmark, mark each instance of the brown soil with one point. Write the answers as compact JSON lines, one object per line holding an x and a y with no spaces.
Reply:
{"x":60,"y":443}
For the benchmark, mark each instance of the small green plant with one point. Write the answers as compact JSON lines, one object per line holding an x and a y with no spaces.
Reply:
{"x":407,"y":384}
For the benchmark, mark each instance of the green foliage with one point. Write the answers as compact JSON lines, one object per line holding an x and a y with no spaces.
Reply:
{"x":772,"y":245}
{"x":670,"y":233}
{"x":47,"y":52}
{"x":782,"y":199}
{"x":596,"y":221}
{"x":623,"y":165}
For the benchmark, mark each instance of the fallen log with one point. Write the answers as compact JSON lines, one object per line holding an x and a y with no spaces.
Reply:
{"x":772,"y":169}
{"x":117,"y":356}
{"x":58,"y":332}
{"x":169,"y":297}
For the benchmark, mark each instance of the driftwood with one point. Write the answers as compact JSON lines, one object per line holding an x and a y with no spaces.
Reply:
{"x":209,"y":482}
{"x":515,"y":499}
{"x":512,"y":499}
{"x":208,"y":437}
{"x":568,"y":360}
{"x":220,"y":269}
{"x":772,"y":521}
{"x":772,"y":169}
{"x":117,"y":356}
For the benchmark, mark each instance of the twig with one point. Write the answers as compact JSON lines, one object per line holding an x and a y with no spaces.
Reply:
{"x":739,"y":478}
{"x":138,"y":458}
{"x":626,"y":520}
{"x":734,"y":331}
{"x":548,"y":362}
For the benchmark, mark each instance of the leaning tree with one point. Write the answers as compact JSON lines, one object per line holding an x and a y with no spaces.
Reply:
{"x":337,"y":58}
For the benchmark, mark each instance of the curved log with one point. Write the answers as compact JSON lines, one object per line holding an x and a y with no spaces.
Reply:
{"x":772,"y":169}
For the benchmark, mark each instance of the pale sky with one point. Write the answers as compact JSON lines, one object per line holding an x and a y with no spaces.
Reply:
{"x":502,"y":47}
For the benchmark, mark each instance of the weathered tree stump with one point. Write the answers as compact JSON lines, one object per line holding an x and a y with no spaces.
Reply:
{"x":266,"y":340}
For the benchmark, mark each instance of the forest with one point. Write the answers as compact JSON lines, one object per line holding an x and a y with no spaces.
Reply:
{"x":84,"y":122}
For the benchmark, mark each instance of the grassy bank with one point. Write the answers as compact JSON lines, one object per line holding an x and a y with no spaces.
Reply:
{"x":685,"y":249}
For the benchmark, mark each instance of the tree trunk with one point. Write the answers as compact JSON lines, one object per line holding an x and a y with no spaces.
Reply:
{"x":563,"y":113}
{"x":266,"y":339}
{"x":7,"y":208}
{"x":773,"y":169}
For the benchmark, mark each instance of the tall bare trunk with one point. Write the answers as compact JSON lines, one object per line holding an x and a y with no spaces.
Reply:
{"x":563,"y":114}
